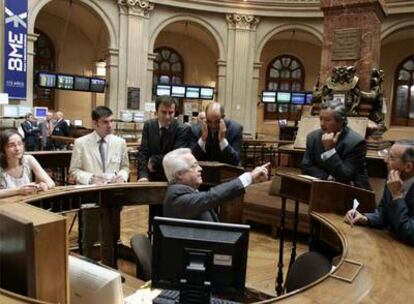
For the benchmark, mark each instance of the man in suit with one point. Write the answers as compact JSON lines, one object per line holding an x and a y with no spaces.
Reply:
{"x":61,"y":129}
{"x":31,"y":132}
{"x":217,"y":138}
{"x":336,"y":152}
{"x":46,"y":128}
{"x":100,"y":158}
{"x":396,"y":208}
{"x":183,"y":200}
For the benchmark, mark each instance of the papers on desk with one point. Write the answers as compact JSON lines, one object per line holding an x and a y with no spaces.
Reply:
{"x":142,"y":296}
{"x":307,"y":177}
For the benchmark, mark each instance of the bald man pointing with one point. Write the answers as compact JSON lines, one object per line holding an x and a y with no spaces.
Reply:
{"x":217,"y":139}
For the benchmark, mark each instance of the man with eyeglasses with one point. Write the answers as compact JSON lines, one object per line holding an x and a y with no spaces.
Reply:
{"x":217,"y":138}
{"x":396,"y":208}
{"x":336,"y":152}
{"x":183,"y":200}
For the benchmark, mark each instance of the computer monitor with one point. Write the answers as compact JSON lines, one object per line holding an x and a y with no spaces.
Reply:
{"x":283,"y":97}
{"x":10,"y":111}
{"x":178,"y":91}
{"x":192,"y":93}
{"x":268,"y":97}
{"x":97,"y":85}
{"x":93,"y":284}
{"x":162,"y":90}
{"x":46,"y":80}
{"x":139,"y":116}
{"x":40,"y":112}
{"x":78,"y":122}
{"x":222,"y":249}
{"x":207,"y":93}
{"x":65,"y":82}
{"x":298,"y":98}
{"x":309,"y":97}
{"x":82,"y":83}
{"x":127,"y":116}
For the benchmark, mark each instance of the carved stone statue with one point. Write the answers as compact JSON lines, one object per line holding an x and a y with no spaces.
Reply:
{"x":375,"y":96}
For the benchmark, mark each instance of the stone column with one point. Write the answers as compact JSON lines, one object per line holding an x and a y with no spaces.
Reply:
{"x":221,"y":80}
{"x":134,"y":30}
{"x":31,"y":39}
{"x":351,"y":36}
{"x":112,"y":76}
{"x":240,"y":56}
{"x":150,"y":73}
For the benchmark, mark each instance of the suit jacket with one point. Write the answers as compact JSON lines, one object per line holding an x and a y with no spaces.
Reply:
{"x":230,"y":155}
{"x":182,"y":201}
{"x":398,"y":215}
{"x":46,"y":129}
{"x":345,"y":166}
{"x":61,"y":129}
{"x":178,"y":137}
{"x":30,"y":134}
{"x":86,"y":159}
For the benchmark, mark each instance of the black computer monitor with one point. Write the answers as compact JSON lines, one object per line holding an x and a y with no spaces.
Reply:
{"x":206,"y":93}
{"x":283,"y":97}
{"x":98,"y":85}
{"x":192,"y":92}
{"x":221,"y":247}
{"x":46,"y":80}
{"x":268,"y":97}
{"x":309,"y":97}
{"x":163,"y":90}
{"x":178,"y":91}
{"x":82,"y":83}
{"x":65,"y":82}
{"x":298,"y":98}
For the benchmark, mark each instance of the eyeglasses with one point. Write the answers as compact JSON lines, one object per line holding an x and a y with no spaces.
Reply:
{"x":386,"y":154}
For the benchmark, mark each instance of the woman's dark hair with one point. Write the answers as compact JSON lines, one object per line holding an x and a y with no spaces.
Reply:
{"x":4,"y":139}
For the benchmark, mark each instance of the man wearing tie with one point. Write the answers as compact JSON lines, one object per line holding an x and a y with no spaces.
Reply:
{"x":100,"y":158}
{"x":46,"y":128}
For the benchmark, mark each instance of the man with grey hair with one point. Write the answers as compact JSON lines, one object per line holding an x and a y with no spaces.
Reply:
{"x":336,"y":152}
{"x":183,"y":200}
{"x":396,"y":208}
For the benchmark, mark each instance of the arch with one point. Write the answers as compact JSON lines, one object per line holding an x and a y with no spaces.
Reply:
{"x":195,"y":19}
{"x":396,"y":27}
{"x":286,"y":27}
{"x":92,"y":4}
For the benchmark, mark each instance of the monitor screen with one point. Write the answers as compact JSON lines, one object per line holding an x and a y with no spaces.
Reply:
{"x":283,"y":97}
{"x":65,"y":82}
{"x":10,"y":111}
{"x":126,"y":116}
{"x":46,"y":80}
{"x":206,"y":93}
{"x":222,"y":247}
{"x":23,"y":110}
{"x":178,"y":91}
{"x":163,"y":90}
{"x":268,"y":97}
{"x":82,"y":83}
{"x":298,"y":98}
{"x":78,"y":123}
{"x":192,"y":92}
{"x":139,"y":116}
{"x":98,"y":85}
{"x":309,"y":97}
{"x":40,"y":112}
{"x":93,"y":284}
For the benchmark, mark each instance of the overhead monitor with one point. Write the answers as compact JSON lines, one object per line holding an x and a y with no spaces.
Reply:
{"x":283,"y":97}
{"x":268,"y":97}
{"x":23,"y":110}
{"x":10,"y":111}
{"x":207,"y":93}
{"x":93,"y":284}
{"x":309,"y":97}
{"x":78,"y":123}
{"x":40,"y":112}
{"x":98,"y":85}
{"x":65,"y":82}
{"x":218,"y":248}
{"x":82,"y":83}
{"x":177,"y":91}
{"x":162,"y":90}
{"x":298,"y":98}
{"x":192,"y":93}
{"x":46,"y":80}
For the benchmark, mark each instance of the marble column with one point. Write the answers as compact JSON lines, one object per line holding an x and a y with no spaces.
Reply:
{"x":240,"y":57}
{"x":221,"y":80}
{"x":352,"y":36}
{"x":150,"y":73}
{"x":112,"y":76}
{"x":134,"y":37}
{"x":31,"y":39}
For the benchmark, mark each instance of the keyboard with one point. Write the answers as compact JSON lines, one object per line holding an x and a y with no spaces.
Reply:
{"x":168,"y":296}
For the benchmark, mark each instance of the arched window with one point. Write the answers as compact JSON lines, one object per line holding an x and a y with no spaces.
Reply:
{"x":403,"y":105}
{"x":168,"y":67}
{"x":44,"y":60}
{"x":284,"y":73}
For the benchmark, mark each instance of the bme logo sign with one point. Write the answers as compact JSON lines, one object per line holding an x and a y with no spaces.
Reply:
{"x":15,"y":21}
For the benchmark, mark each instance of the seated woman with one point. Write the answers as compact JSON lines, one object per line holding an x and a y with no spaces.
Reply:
{"x":16,"y":168}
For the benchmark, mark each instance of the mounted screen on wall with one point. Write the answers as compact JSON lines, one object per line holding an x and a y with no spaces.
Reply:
{"x":268,"y":97}
{"x":192,"y":93}
{"x":309,"y":97}
{"x":65,"y":82}
{"x":207,"y":93}
{"x":178,"y":91}
{"x":298,"y":98}
{"x":163,"y":90}
{"x":82,"y":83}
{"x":283,"y":97}
{"x":46,"y":80}
{"x":98,"y":85}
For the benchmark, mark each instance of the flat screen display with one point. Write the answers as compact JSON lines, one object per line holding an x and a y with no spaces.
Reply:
{"x":78,"y":123}
{"x":206,"y":93}
{"x":268,"y":97}
{"x":309,"y":97}
{"x":40,"y":112}
{"x":193,"y":92}
{"x":283,"y":97}
{"x":298,"y":98}
{"x":98,"y":85}
{"x":65,"y":82}
{"x":178,"y":91}
{"x":163,"y":90}
{"x":47,"y":80}
{"x":82,"y":83}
